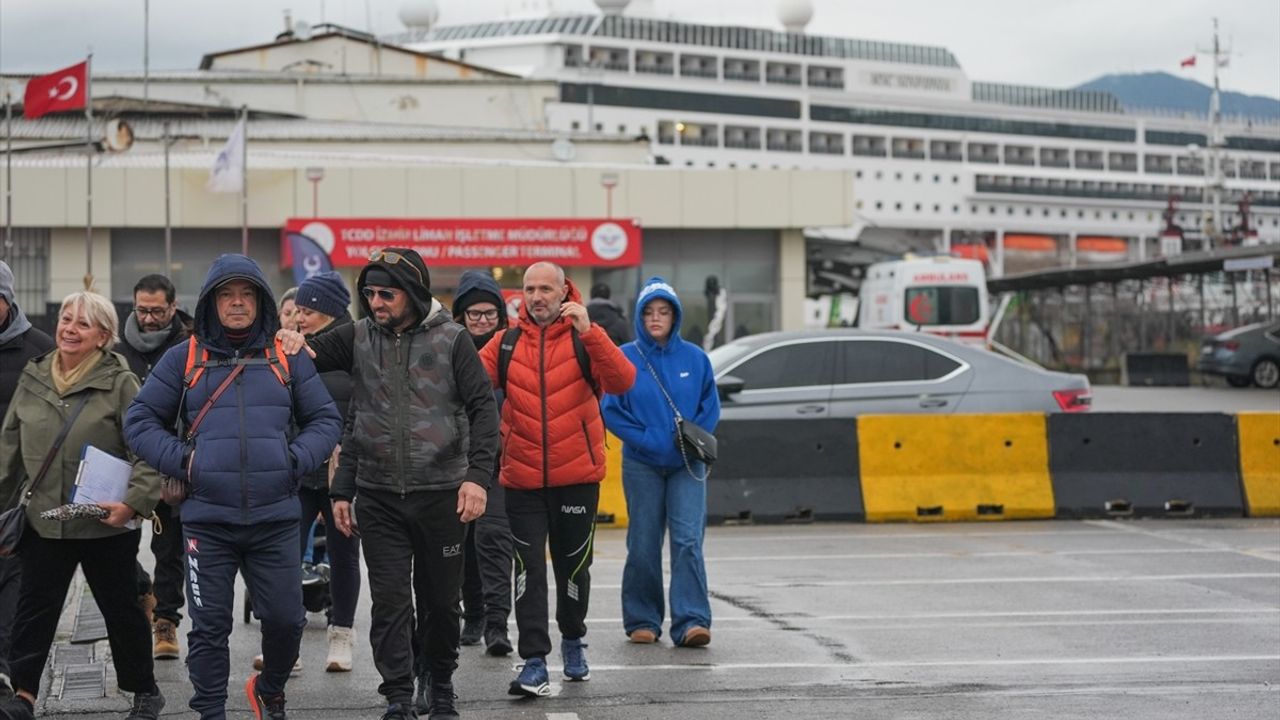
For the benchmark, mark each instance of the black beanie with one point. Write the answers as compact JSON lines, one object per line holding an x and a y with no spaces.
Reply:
{"x":325,"y":293}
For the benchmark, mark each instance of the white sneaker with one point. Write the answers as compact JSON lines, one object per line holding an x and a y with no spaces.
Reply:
{"x":297,"y":665}
{"x":340,"y":639}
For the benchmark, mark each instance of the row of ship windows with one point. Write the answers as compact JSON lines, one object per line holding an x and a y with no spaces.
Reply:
{"x":656,"y":62}
{"x":743,"y":137}
{"x":1184,"y":219}
{"x":1112,"y":190}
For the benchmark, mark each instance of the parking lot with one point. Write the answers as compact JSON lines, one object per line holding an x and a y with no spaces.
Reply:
{"x":1062,"y":619}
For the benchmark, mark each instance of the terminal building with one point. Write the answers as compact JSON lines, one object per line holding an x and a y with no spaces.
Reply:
{"x":364,"y":142}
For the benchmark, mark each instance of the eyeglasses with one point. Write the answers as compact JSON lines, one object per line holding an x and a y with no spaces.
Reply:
{"x":395,"y":258}
{"x":476,"y":315}
{"x":384,"y":295}
{"x":145,"y":311}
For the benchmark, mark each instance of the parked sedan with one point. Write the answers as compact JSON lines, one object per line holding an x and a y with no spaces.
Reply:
{"x":845,"y":373}
{"x":1248,"y":354}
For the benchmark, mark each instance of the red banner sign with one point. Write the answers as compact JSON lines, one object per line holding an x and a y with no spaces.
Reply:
{"x":470,"y":242}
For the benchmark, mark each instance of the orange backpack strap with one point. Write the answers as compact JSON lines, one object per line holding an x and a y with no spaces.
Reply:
{"x":194,"y":369}
{"x":278,"y":361}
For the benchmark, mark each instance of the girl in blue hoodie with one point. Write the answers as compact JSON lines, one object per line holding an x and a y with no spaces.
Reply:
{"x":665,"y":489}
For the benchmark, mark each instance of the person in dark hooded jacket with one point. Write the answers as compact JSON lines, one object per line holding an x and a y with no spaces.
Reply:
{"x":486,"y":589}
{"x":605,"y":312}
{"x":417,"y":457}
{"x":322,"y":301}
{"x":19,"y":343}
{"x":243,"y":466}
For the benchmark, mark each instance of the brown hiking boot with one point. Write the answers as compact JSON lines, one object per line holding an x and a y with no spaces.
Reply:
{"x":166,"y":640}
{"x":148,"y":604}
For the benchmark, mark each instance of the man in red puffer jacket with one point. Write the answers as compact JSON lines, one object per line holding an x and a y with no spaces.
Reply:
{"x":553,"y":461}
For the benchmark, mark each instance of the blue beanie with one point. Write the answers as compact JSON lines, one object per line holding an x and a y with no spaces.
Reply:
{"x":325,"y":293}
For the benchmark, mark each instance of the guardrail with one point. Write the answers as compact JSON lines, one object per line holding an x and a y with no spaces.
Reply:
{"x":921,"y":468}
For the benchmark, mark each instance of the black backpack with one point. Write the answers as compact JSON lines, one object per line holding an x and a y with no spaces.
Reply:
{"x":508,"y":346}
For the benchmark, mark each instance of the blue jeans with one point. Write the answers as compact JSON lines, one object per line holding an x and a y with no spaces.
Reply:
{"x":658,"y":500}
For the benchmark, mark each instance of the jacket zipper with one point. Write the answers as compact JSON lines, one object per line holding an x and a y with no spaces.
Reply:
{"x":244,"y":457}
{"x":404,"y":419}
{"x":591,"y":453}
{"x":542,"y":386}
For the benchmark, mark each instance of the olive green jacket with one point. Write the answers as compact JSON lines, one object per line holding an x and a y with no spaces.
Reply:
{"x":33,"y":422}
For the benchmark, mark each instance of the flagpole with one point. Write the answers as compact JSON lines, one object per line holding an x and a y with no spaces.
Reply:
{"x":168,"y":228}
{"x":8,"y":171}
{"x":88,"y":153}
{"x":244,"y":182}
{"x":146,"y":52}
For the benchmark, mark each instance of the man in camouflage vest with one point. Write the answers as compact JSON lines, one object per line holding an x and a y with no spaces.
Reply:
{"x":417,"y":454}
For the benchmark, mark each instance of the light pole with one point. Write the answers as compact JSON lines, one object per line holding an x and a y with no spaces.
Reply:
{"x":609,"y":181}
{"x":315,"y":175}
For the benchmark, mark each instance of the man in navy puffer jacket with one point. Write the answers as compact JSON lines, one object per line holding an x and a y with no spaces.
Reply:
{"x":243,"y":465}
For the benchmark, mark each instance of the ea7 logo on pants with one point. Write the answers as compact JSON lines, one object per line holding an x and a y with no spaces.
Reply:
{"x":573,"y":509}
{"x":193,"y":546}
{"x":452,"y":550}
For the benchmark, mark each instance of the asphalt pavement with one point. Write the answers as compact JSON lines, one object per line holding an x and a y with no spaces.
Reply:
{"x":1097,"y":619}
{"x":1116,"y":398}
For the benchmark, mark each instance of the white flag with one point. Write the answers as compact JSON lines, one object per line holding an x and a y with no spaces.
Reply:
{"x":227,"y":173}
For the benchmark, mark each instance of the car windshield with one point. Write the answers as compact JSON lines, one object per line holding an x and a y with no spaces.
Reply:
{"x":725,"y":355}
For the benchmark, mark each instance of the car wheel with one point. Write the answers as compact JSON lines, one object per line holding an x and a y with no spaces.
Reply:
{"x":1266,"y":373}
{"x":1237,"y":381}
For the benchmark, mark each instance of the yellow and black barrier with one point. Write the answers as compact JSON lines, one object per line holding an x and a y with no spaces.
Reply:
{"x":926,"y":468}
{"x":954,"y":467}
{"x":1260,"y":463}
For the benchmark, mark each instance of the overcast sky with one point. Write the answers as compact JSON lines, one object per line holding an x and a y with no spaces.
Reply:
{"x":1059,"y":44}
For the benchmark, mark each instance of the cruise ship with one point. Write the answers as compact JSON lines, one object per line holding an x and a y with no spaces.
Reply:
{"x":1022,"y":177}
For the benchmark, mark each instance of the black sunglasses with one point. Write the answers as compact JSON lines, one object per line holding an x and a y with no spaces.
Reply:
{"x":386,"y":295}
{"x":394,"y":258}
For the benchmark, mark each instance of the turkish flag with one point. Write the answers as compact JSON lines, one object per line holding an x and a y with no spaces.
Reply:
{"x":1189,"y":62}
{"x":58,"y":91}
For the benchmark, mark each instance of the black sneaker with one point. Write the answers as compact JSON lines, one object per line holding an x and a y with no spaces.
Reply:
{"x":264,"y":708}
{"x":440,"y":703}
{"x":146,"y":706}
{"x":420,"y":700}
{"x":472,"y":632}
{"x":397,"y":711}
{"x":496,"y":642}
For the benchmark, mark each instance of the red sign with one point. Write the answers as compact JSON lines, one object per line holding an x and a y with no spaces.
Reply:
{"x":471,"y":243}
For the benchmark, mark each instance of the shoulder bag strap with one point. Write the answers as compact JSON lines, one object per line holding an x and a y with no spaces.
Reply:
{"x":661,"y":387}
{"x":57,"y":445}
{"x":217,"y":393}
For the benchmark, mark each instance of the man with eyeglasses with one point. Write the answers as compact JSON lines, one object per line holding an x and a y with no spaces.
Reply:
{"x":155,"y":325}
{"x":417,"y":456}
{"x":486,"y":589}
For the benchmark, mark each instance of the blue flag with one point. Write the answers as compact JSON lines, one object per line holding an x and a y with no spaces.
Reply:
{"x":308,"y":258}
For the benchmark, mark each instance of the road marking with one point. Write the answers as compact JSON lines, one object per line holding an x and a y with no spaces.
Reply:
{"x":1134,"y":660}
{"x":883,"y":532}
{"x":562,"y":716}
{"x":1020,"y":580}
{"x":989,"y":615}
{"x":1258,"y":553}
{"x":959,"y":554}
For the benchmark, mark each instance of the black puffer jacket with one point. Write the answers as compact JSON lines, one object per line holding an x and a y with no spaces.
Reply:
{"x":16,"y":349}
{"x":338,"y":383}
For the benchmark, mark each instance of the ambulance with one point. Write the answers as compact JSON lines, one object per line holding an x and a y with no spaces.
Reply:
{"x":944,"y":296}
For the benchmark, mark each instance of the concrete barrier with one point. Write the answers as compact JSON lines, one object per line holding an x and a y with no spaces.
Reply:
{"x":1260,"y":462}
{"x":612,"y":510}
{"x":954,"y":467}
{"x":778,"y":471}
{"x":1145,"y":465}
